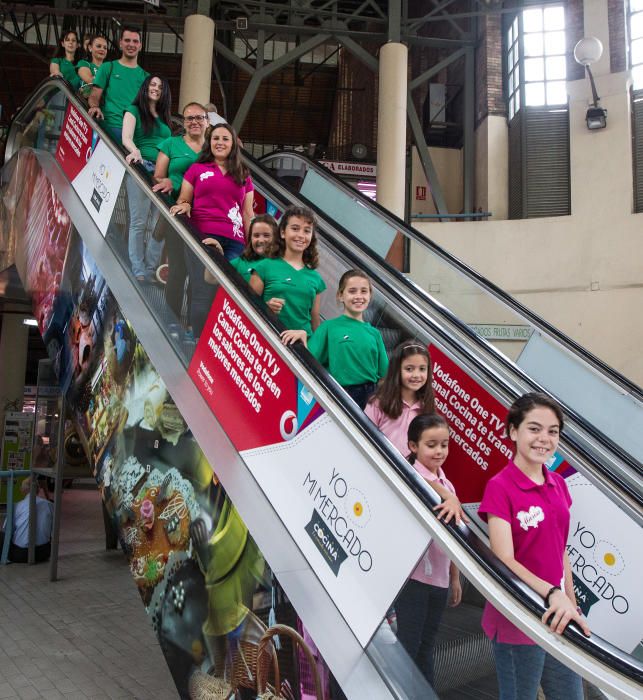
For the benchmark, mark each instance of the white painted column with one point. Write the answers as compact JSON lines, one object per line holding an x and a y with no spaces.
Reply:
{"x":391,"y":127}
{"x":196,"y":67}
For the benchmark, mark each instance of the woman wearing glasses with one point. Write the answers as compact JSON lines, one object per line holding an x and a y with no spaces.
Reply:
{"x":176,"y":155}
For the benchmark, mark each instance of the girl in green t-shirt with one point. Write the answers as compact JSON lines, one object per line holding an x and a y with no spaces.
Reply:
{"x":350,"y":348}
{"x":64,"y":62}
{"x":87,"y":68}
{"x":263,"y":238}
{"x":289,"y":283}
{"x":146,"y":124}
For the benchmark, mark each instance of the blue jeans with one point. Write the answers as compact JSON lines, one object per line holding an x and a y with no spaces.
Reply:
{"x":521,"y":668}
{"x":419,"y":609}
{"x":144,"y":256}
{"x":203,"y":292}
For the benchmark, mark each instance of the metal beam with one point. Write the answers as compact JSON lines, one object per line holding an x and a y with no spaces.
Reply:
{"x":425,"y":157}
{"x":416,"y":22}
{"x":468,"y":144}
{"x":231,"y":56}
{"x":359,"y":52}
{"x":434,"y":70}
{"x":269,"y":68}
{"x":394,"y":20}
{"x":22,"y":45}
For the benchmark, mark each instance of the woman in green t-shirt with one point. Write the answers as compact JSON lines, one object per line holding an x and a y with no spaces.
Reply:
{"x":176,"y":155}
{"x":86,"y":69}
{"x":146,"y":124}
{"x":64,"y":62}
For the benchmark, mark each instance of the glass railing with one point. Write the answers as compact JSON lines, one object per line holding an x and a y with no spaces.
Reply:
{"x":595,"y":391}
{"x":397,"y":319}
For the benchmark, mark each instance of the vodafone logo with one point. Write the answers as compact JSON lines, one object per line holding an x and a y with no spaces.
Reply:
{"x":205,"y":176}
{"x":288,"y":425}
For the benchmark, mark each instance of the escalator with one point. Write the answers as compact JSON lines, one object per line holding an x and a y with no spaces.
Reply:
{"x":178,"y":433}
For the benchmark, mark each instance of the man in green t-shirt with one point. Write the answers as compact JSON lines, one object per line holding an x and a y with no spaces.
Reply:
{"x":117,"y":83}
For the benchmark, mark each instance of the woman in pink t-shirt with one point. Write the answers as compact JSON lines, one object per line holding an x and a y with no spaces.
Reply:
{"x":217,"y":194}
{"x":423,"y":599}
{"x":527,"y":508}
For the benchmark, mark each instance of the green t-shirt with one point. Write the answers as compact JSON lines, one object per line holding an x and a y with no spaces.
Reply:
{"x":68,"y":71}
{"x":120,"y":84}
{"x":84,"y":87}
{"x":351,"y":350}
{"x":148,"y":144}
{"x":298,"y":288}
{"x":181,"y":158}
{"x":244,"y":267}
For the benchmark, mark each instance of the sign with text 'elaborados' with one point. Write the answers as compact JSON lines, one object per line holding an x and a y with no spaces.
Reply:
{"x":336,"y":506}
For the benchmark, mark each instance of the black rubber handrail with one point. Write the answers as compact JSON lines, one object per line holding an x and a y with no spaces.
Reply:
{"x":487,"y":348}
{"x":400,"y":225}
{"x":597,"y":647}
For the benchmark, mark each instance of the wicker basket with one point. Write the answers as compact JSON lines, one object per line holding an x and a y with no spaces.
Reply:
{"x":264,"y":655}
{"x":239,"y":665}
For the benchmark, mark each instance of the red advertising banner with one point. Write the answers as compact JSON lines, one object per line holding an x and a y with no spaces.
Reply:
{"x":249,"y":388}
{"x":477,"y":448}
{"x":75,"y":143}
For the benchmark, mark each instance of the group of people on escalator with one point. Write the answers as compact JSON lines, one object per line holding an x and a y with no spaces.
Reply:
{"x":526,"y":505}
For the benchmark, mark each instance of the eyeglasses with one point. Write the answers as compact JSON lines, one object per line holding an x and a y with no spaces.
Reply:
{"x":198,"y":118}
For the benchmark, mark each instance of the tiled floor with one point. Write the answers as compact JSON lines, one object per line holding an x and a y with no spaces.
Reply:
{"x":86,"y":635}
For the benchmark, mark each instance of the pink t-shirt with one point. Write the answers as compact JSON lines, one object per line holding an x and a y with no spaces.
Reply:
{"x":395,"y":429}
{"x":433,"y":568}
{"x":217,"y":205}
{"x":539,"y":519}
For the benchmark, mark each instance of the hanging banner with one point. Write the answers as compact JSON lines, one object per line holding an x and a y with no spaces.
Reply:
{"x":478,"y":448}
{"x":335,"y":505}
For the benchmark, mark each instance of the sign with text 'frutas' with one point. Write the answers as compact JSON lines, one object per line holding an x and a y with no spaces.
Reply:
{"x":361,"y":541}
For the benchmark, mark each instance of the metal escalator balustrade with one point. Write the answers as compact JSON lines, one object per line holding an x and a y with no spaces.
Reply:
{"x":589,"y":387}
{"x":461,"y":544}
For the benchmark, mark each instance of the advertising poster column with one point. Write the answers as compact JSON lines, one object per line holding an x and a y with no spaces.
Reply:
{"x":337,"y":508}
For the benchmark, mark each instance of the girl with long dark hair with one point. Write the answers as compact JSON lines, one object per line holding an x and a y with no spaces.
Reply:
{"x":146,"y":124}
{"x":64,"y":61}
{"x":88,"y":67}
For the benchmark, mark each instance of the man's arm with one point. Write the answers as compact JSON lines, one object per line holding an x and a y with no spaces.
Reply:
{"x":94,"y":102}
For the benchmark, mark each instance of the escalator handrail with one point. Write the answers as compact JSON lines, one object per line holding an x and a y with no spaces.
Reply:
{"x":476,"y":548}
{"x":267,"y":182}
{"x":399,"y":224}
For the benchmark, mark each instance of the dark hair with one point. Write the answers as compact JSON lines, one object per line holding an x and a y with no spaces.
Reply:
{"x":425,"y":421}
{"x":142,"y":101}
{"x":355,"y":272}
{"x":311,"y":256}
{"x":92,"y":39}
{"x":133,"y":29}
{"x":234,"y":164}
{"x":248,"y":252}
{"x":60,"y":51}
{"x":522,"y":405}
{"x":389,"y":394}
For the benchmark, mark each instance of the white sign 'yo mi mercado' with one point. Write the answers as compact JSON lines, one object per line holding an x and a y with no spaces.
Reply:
{"x":350,"y":169}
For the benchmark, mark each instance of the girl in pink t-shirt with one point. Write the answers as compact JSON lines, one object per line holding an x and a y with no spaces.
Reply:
{"x":527,"y":509}
{"x":425,"y":596}
{"x":405,"y":393}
